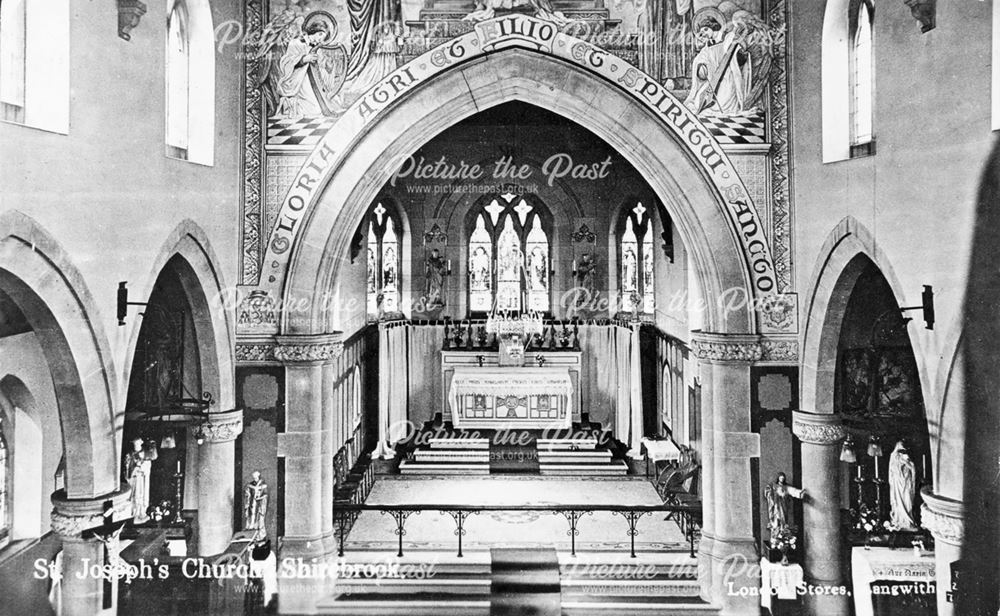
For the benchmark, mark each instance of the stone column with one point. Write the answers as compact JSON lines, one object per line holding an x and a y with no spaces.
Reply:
{"x":708,"y":461}
{"x":822,"y":436}
{"x":735,"y":573}
{"x":216,"y":479}
{"x":945,"y":519}
{"x":73,"y":521}
{"x":308,"y":528}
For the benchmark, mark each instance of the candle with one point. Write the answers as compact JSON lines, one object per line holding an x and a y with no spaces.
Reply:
{"x":859,"y":470}
{"x":574,"y":266}
{"x":877,"y":476}
{"x":178,"y":466}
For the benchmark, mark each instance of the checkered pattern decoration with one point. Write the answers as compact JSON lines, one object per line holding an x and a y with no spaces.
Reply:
{"x":736,"y":130}
{"x":301,"y":132}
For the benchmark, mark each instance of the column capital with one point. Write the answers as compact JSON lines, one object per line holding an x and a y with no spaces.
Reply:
{"x":817,"y":428}
{"x":71,"y":517}
{"x":943,"y":517}
{"x":743,"y":348}
{"x":222,"y":427}
{"x":310,"y":348}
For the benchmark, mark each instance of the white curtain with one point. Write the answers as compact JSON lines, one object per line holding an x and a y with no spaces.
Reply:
{"x":393,"y":352}
{"x":425,"y":395}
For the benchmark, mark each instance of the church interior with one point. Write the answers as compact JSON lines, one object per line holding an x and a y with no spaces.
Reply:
{"x":499,"y":307}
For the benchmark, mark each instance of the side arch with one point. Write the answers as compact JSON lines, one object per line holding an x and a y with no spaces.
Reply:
{"x":38,"y":276}
{"x":213,"y":304}
{"x":836,"y":271}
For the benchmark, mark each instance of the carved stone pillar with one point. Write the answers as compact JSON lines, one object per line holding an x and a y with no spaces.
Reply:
{"x":74,"y":521}
{"x":734,"y":575}
{"x":308,"y":462}
{"x":945,"y":519}
{"x":822,"y":436}
{"x":216,"y":478}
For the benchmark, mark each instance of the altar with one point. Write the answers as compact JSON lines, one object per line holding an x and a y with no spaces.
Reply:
{"x":482,"y":394}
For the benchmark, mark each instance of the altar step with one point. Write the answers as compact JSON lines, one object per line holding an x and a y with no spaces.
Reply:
{"x":466,"y":590}
{"x":471,"y":456}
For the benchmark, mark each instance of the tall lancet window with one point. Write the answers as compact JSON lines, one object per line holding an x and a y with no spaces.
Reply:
{"x":178,"y":80}
{"x":636,"y":258}
{"x":5,"y":472}
{"x":862,"y":71}
{"x":384,"y":244}
{"x":509,"y":256}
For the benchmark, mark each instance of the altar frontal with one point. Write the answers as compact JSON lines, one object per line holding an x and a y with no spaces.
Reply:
{"x":533,"y":398}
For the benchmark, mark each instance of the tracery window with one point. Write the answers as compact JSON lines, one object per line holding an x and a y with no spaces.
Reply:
{"x":637,"y":285}
{"x":190,"y":82}
{"x":384,"y":242}
{"x":509,"y":256}
{"x":862,"y":84}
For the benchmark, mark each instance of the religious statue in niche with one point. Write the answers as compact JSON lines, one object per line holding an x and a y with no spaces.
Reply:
{"x":586,"y":273}
{"x":301,"y":67}
{"x":138,"y":467}
{"x":435,"y":269}
{"x":542,"y":9}
{"x":255,"y":505}
{"x":779,"y":497}
{"x":730,"y":71}
{"x":902,"y":488}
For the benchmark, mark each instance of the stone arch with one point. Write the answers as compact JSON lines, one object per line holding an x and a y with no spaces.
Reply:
{"x":836,"y":271}
{"x":213,"y":305}
{"x":38,"y":276}
{"x":653,"y":131}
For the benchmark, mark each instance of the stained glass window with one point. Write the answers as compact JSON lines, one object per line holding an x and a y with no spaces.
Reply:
{"x":509,"y":268}
{"x":480,"y":268}
{"x":384,"y":241}
{"x":509,"y":256}
{"x":862,"y":74}
{"x":636,"y":258}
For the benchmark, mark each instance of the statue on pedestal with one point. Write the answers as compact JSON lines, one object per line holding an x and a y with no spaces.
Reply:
{"x":138,"y":465}
{"x":435,"y":269}
{"x":779,"y":497}
{"x":902,"y":488}
{"x":255,"y":504}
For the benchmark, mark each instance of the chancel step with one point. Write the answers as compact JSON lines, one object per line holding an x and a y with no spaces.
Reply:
{"x":454,"y":455}
{"x":614,"y":467}
{"x":460,"y":443}
{"x":408,"y":467}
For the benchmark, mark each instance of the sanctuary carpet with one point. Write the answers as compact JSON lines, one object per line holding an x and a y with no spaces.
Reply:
{"x":435,"y":531}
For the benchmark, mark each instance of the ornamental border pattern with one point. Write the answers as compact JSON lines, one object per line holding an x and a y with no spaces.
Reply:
{"x":223,"y":429}
{"x":818,"y":433}
{"x":781,"y":215}
{"x":305,"y":349}
{"x":942,"y":526}
{"x":253,"y":147}
{"x":744,"y":348}
{"x":255,"y":353}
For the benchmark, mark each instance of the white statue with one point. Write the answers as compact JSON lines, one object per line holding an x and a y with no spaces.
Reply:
{"x":902,"y":488}
{"x":138,"y":465}
{"x":255,"y":504}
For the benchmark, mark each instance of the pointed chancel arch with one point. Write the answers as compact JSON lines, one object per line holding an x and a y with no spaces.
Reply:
{"x":654,"y":132}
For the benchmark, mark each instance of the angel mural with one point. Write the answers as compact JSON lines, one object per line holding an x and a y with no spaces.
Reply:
{"x":542,"y":9}
{"x":301,"y":68}
{"x":731,"y":70}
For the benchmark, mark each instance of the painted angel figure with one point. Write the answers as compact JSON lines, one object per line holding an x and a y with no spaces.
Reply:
{"x":731,"y":71}
{"x":301,"y":68}
{"x":543,"y":9}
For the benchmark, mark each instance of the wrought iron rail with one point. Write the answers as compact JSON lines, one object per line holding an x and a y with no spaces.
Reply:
{"x":346,"y":515}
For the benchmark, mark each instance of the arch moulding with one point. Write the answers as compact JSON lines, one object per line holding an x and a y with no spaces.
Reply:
{"x":501,"y":60}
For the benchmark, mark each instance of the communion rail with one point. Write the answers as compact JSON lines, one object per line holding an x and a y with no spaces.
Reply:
{"x":688,"y":518}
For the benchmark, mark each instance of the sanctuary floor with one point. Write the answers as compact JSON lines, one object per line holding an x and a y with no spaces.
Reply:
{"x":435,"y":531}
